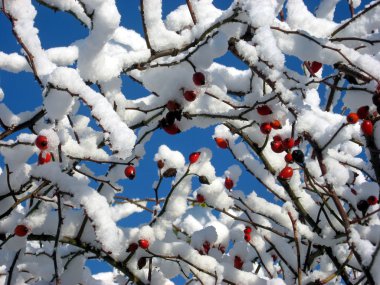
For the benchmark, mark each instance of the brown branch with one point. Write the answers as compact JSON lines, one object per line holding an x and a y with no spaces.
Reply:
{"x":9,"y":130}
{"x":190,"y":6}
{"x":342,"y":27}
{"x":295,"y":231}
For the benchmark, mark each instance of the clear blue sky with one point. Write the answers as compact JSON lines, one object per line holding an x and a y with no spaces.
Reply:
{"x":22,"y":93}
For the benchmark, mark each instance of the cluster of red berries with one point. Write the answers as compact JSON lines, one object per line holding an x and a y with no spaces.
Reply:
{"x":279,"y":145}
{"x":363,"y":114}
{"x":42,"y":143}
{"x":206,"y":246}
{"x":168,"y":123}
{"x":247,"y":233}
{"x":267,"y":127}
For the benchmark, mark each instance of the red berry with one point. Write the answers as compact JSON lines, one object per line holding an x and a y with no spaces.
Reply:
{"x":297,"y":141}
{"x":206,"y":247}
{"x":172,"y":106}
{"x":21,"y":230}
{"x":172,"y":129}
{"x":277,"y":138}
{"x":130,"y":172}
{"x":378,"y":88}
{"x":247,"y":230}
{"x":286,"y":173}
{"x":200,"y":198}
{"x":238,"y":263}
{"x":372,"y":200}
{"x":228,"y":183}
{"x":315,"y":66}
{"x":289,"y":158}
{"x":276,"y":124}
{"x":190,"y":95}
{"x":277,"y":146}
{"x":41,"y":142}
{"x":363,"y":112}
{"x":264,"y":110}
{"x":143,"y":243}
{"x":367,"y":127}
{"x":247,"y":237}
{"x":353,"y":191}
{"x":222,"y":143}
{"x":132,"y":247}
{"x":288,"y":143}
{"x":222,"y":248}
{"x":352,"y":118}
{"x":194,"y":157}
{"x":265,"y":128}
{"x":160,"y":164}
{"x":44,"y":157}
{"x":199,"y":78}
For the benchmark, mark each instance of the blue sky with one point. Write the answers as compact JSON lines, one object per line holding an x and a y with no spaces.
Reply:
{"x":22,"y":93}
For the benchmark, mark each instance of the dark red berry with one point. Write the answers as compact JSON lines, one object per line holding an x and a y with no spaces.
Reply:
{"x":190,"y":95}
{"x":228,"y":183}
{"x":160,"y":164}
{"x":143,"y":243}
{"x":238,"y":263}
{"x":286,"y":173}
{"x":352,"y":118}
{"x":173,"y":106}
{"x":288,"y":143}
{"x":289,"y":158}
{"x":372,"y":200}
{"x":130,"y":172}
{"x":132,"y":247}
{"x":315,"y":66}
{"x":247,"y":237}
{"x":172,"y":129}
{"x":277,"y":138}
{"x":21,"y":230}
{"x":265,"y":128}
{"x":222,"y":143}
{"x":297,"y":141}
{"x":367,"y":127}
{"x":206,"y":247}
{"x":199,"y":78}
{"x":363,"y":112}
{"x":41,"y":142}
{"x":264,"y":110}
{"x":200,"y":198}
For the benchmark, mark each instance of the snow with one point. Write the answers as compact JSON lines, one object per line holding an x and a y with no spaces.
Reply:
{"x":96,"y":125}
